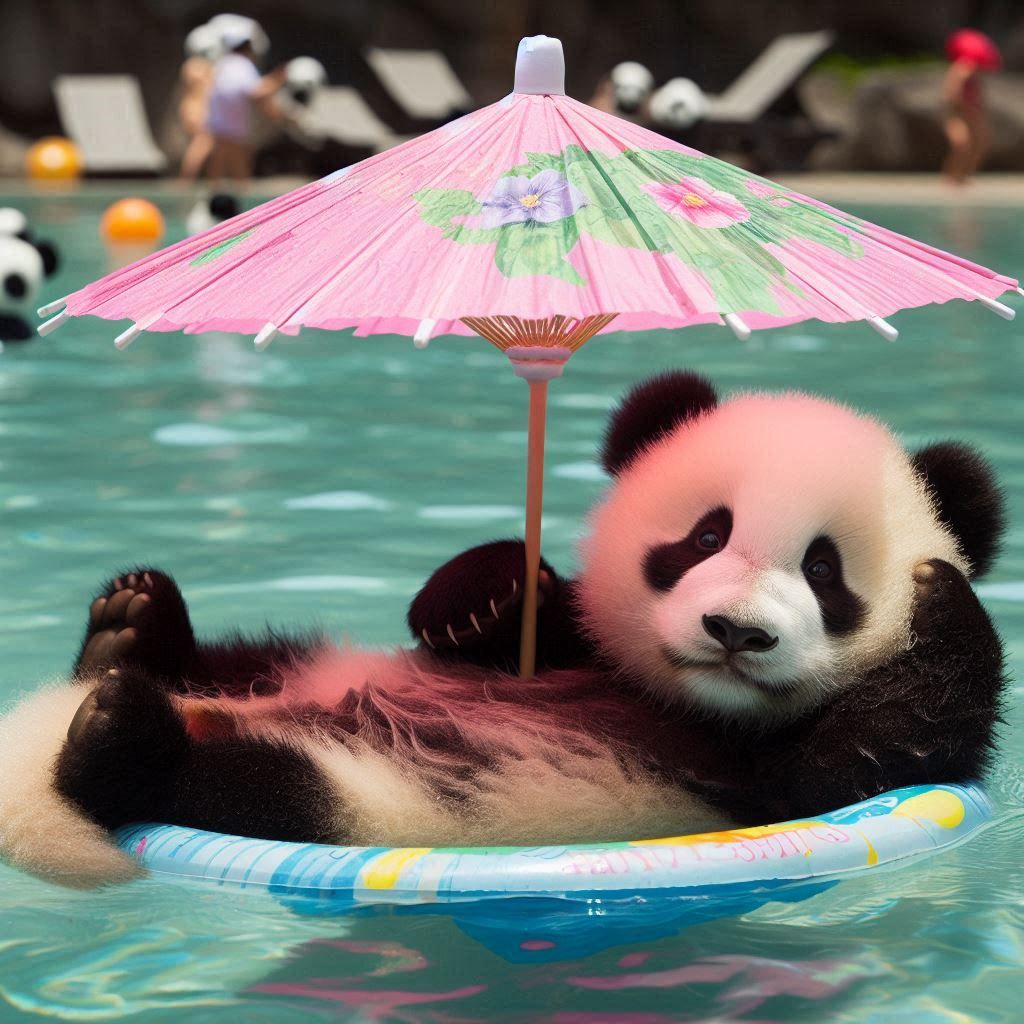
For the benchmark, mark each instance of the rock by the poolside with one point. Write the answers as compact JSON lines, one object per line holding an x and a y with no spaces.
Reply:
{"x":893,"y":122}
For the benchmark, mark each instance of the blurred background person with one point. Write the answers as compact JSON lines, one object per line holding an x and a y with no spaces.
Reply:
{"x":971,"y":54}
{"x":236,"y":88}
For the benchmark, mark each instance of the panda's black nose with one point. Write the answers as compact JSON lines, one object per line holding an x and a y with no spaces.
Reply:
{"x":15,"y":286}
{"x":738,"y":638}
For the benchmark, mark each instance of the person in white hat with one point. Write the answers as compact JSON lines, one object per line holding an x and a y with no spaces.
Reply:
{"x":237,"y":87}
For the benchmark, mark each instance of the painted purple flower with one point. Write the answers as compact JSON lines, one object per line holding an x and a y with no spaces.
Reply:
{"x":544,"y":198}
{"x":699,"y":202}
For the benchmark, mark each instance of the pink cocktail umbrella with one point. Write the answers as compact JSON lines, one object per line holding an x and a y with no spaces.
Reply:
{"x":537,"y":223}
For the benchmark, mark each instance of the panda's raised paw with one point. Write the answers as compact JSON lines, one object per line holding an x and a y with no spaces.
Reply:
{"x":489,"y":617}
{"x":139,"y":618}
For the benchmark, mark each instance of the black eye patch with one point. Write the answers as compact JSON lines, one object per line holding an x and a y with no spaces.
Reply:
{"x":842,"y":611}
{"x":666,"y":564}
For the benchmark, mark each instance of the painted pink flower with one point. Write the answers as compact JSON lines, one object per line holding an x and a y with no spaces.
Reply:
{"x":701,"y":204}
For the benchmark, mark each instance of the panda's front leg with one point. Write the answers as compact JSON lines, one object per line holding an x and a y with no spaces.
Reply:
{"x":125,"y":750}
{"x":129,"y":757}
{"x":926,"y":716}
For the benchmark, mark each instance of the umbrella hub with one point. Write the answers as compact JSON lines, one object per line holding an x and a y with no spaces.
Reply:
{"x":538,"y":349}
{"x":534,"y":362}
{"x":540,"y":67}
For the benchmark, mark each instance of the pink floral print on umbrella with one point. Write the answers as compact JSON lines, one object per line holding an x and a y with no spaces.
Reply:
{"x":695,"y":200}
{"x":544,"y":198}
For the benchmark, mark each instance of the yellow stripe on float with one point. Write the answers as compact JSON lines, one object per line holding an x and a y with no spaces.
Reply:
{"x":383,"y":873}
{"x":938,"y":805}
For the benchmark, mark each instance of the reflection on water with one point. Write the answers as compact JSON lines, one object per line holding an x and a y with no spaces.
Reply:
{"x":321,"y":482}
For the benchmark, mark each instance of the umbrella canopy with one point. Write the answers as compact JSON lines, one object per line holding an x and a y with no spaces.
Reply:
{"x":535,"y":206}
{"x":536,"y":222}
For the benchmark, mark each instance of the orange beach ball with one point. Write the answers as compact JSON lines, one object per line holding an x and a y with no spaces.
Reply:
{"x":53,"y":159}
{"x":131,"y":220}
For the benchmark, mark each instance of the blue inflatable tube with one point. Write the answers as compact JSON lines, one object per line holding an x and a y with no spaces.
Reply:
{"x":758,"y":864}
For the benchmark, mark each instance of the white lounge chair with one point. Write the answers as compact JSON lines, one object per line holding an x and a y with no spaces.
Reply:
{"x":105,"y":117}
{"x":777,"y":69}
{"x":421,"y":82}
{"x":339,"y":113}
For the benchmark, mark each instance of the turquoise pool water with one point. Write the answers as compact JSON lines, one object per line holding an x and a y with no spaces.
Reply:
{"x":322,"y":481}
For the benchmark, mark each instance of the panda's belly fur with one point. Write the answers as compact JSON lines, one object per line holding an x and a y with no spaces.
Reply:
{"x":415,"y":755}
{"x":424,"y":756}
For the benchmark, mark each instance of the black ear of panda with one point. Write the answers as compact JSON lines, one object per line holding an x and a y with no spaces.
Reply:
{"x":967,"y":498}
{"x":50,"y":256}
{"x":650,"y":411}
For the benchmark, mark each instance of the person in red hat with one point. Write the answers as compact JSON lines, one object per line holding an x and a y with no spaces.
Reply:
{"x":971,"y":53}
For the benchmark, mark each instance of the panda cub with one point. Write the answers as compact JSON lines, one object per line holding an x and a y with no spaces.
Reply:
{"x":24,"y":262}
{"x":773,"y":618}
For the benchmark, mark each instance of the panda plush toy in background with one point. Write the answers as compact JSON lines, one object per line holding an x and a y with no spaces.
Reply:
{"x":304,"y":77}
{"x":211,"y":210}
{"x":773,"y":618}
{"x":24,"y":263}
{"x":679,"y":104}
{"x":631,"y":85}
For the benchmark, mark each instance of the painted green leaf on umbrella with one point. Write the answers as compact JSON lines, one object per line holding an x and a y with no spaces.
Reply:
{"x":209,"y":255}
{"x":525,"y":250}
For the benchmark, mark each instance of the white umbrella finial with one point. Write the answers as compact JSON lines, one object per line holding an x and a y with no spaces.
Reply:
{"x":540,"y":67}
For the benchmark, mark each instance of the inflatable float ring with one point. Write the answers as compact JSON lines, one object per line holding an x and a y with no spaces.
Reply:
{"x":763,"y":860}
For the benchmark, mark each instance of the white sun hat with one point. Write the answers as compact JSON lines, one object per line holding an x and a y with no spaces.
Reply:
{"x":236,"y":29}
{"x":204,"y":41}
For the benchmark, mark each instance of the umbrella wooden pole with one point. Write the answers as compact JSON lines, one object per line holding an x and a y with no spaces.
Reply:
{"x":534,"y":504}
{"x":538,"y":350}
